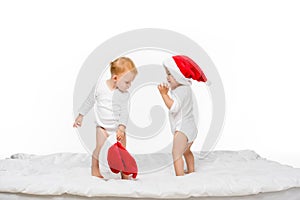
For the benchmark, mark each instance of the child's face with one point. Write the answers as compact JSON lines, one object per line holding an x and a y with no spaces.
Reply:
{"x":124,"y":80}
{"x":171,"y":80}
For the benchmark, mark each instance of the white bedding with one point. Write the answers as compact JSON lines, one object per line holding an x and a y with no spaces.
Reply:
{"x":221,"y":173}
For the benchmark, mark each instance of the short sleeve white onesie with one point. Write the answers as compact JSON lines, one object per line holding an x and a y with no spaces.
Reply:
{"x":181,"y":112}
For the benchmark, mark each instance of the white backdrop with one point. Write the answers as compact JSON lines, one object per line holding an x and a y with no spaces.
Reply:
{"x":254,"y":45}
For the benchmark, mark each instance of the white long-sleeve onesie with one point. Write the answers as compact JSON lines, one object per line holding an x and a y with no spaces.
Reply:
{"x":110,"y":106}
{"x":181,"y":112}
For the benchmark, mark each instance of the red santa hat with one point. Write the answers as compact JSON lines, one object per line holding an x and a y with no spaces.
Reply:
{"x":183,"y":69}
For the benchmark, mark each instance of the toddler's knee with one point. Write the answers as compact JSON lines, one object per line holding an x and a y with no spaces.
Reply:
{"x":96,"y":151}
{"x":187,"y":152}
{"x":176,"y":153}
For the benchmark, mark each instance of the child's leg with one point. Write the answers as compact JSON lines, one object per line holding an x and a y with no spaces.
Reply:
{"x":101,"y":136}
{"x":189,"y":158}
{"x":123,"y":142}
{"x":179,"y":146}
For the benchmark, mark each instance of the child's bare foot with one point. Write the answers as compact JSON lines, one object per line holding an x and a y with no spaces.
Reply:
{"x":96,"y":172}
{"x":188,"y":172}
{"x":98,"y":175}
{"x":126,"y":177}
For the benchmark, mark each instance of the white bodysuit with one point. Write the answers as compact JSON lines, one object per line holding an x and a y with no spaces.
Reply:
{"x":110,"y":107}
{"x":181,"y":112}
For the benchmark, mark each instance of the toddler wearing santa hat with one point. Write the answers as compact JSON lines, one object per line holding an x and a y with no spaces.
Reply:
{"x":180,"y":70}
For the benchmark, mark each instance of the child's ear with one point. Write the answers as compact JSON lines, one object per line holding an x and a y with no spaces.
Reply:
{"x":115,"y":77}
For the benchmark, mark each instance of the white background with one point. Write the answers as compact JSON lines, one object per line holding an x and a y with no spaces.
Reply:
{"x":254,"y":45}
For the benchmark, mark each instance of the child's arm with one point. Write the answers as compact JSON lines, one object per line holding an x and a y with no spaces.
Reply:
{"x":85,"y":108}
{"x":88,"y":103}
{"x":122,"y":98}
{"x":163,"y":89}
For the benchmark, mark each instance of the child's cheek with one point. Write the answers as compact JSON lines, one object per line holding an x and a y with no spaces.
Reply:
{"x":122,"y":87}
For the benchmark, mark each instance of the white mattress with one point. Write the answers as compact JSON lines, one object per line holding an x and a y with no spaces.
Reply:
{"x":221,"y":173}
{"x":290,"y":194}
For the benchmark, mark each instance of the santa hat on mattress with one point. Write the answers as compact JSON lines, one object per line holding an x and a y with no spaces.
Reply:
{"x":183,"y":69}
{"x":119,"y":160}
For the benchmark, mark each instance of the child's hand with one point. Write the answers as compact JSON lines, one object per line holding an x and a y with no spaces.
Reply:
{"x":120,"y":135}
{"x":78,"y":121}
{"x":163,"y":88}
{"x":120,"y":132}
